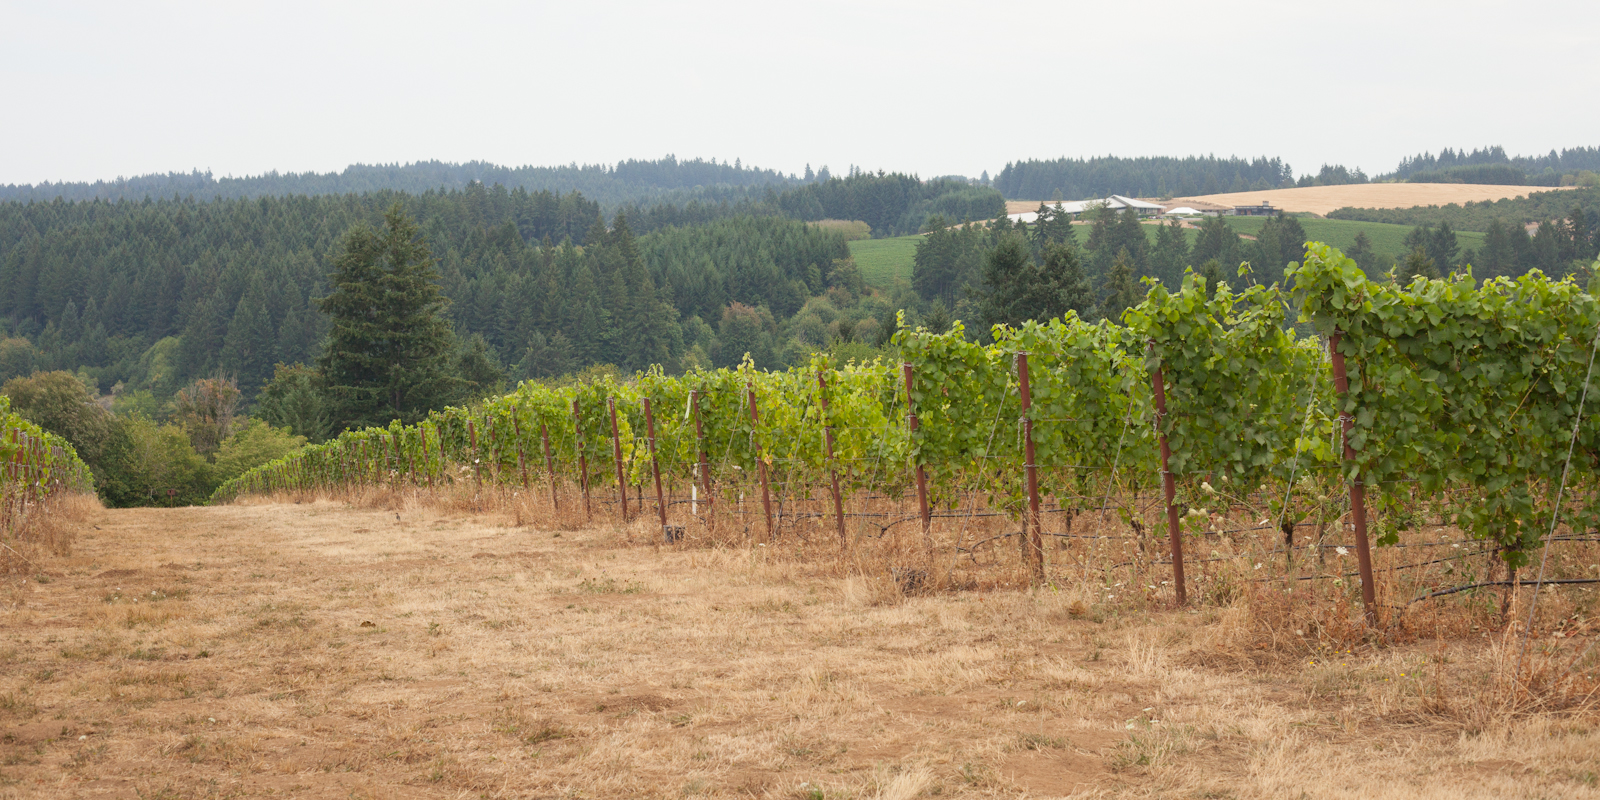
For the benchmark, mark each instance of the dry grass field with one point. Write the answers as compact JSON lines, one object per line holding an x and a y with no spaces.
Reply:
{"x":1322,"y":199}
{"x":389,"y":648}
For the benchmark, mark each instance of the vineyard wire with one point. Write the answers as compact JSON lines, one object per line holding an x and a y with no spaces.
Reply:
{"x":1555,"y":511}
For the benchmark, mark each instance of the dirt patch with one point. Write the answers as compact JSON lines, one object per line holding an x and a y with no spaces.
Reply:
{"x":421,"y":658}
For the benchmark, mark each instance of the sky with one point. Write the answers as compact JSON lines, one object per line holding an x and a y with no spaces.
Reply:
{"x":100,"y":90}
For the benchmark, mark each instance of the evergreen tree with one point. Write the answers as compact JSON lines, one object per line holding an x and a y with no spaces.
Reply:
{"x":1064,"y":284}
{"x":1281,"y":240}
{"x":1131,"y":236}
{"x":545,"y":358}
{"x":1522,"y":246}
{"x":947,"y":260}
{"x":1170,"y":254}
{"x":1581,"y":234}
{"x":293,"y":399}
{"x":477,"y":366}
{"x":1443,"y":248}
{"x":1211,"y":273}
{"x":1420,"y":236}
{"x":1546,"y":250}
{"x":1362,"y":253}
{"x":1053,"y":226}
{"x":1016,"y":289}
{"x":249,"y":347}
{"x":1007,"y":274}
{"x":1497,"y":258}
{"x":1417,"y":263}
{"x":388,"y":354}
{"x":1216,"y":241}
{"x":1119,"y":290}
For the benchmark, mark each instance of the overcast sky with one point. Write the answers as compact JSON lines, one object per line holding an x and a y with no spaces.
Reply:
{"x":98,"y":90}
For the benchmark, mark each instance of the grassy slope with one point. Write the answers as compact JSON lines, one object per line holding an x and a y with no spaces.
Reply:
{"x":883,"y":261}
{"x":1386,"y":239}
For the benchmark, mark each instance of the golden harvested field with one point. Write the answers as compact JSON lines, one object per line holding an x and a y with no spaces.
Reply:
{"x":1322,"y":199}
{"x":393,"y":649}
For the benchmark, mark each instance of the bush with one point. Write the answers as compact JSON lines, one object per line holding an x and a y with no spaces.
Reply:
{"x":255,"y":444}
{"x":161,"y":467}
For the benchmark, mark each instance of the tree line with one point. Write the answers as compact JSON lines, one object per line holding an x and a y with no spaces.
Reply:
{"x":1009,"y":272}
{"x":632,"y":181}
{"x":154,"y":294}
{"x":1151,"y":176}
{"x":1491,"y":165}
{"x":892,"y":204}
{"x":1532,"y":208}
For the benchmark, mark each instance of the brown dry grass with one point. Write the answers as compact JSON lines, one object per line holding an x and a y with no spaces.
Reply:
{"x":1322,"y":199}
{"x":400,"y":648}
{"x":31,"y":534}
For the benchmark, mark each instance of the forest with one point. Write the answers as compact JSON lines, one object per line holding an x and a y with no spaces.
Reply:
{"x":1531,"y":208}
{"x":1007,"y":273}
{"x":1085,"y":178}
{"x":1100,"y":176}
{"x":202,"y":321}
{"x":1492,"y":165}
{"x":631,"y":181}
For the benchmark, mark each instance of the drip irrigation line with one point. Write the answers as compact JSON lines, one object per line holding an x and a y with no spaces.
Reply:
{"x":1555,"y":513}
{"x":1470,"y":586}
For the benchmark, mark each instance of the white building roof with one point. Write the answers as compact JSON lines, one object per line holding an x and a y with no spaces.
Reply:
{"x":1115,"y":202}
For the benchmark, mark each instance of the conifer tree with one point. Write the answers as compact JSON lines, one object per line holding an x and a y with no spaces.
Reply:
{"x":293,"y":399}
{"x":1130,"y":235}
{"x":1102,"y":243}
{"x":1211,"y":273}
{"x":1119,"y":289}
{"x":1361,"y":252}
{"x":1416,"y":264}
{"x":1170,"y":254}
{"x":388,"y":354}
{"x":1216,"y":241}
{"x":1006,"y":272}
{"x":1443,"y":248}
{"x":1068,"y":287}
{"x":1498,"y":257}
{"x":249,"y":348}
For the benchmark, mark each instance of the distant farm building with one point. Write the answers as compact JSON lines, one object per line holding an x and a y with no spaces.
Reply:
{"x":1263,"y":210}
{"x":1115,"y":202}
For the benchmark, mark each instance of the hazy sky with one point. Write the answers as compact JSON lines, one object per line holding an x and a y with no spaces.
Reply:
{"x":97,"y":90}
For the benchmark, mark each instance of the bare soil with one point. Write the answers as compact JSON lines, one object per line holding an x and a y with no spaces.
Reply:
{"x":328,"y":650}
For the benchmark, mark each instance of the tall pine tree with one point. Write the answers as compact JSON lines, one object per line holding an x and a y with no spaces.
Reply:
{"x":1119,"y":290}
{"x":388,"y":353}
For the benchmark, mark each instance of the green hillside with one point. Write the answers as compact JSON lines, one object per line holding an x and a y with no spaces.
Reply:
{"x":1387,"y":240}
{"x":884,"y":261}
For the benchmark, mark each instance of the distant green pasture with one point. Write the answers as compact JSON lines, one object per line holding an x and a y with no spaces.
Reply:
{"x":1388,"y":241}
{"x":884,"y":261}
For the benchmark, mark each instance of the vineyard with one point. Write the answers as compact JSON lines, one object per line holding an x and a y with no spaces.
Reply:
{"x":1426,"y":439}
{"x":38,"y":469}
